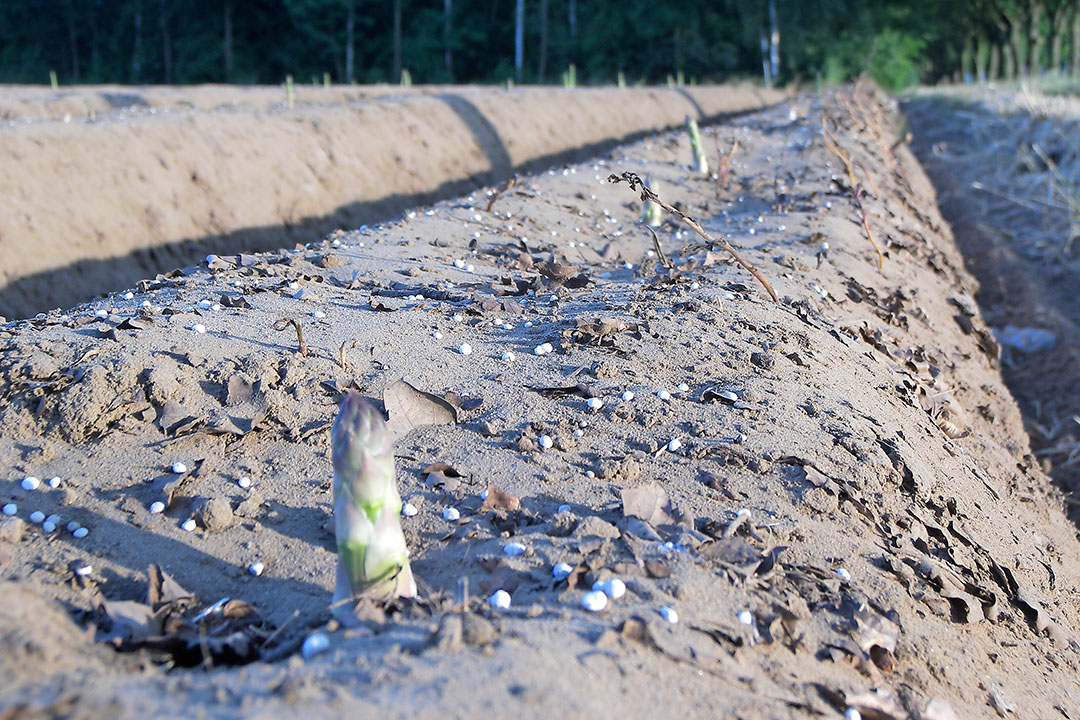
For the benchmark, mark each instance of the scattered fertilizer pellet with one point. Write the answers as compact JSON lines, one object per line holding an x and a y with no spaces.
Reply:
{"x":80,"y":533}
{"x":664,"y":395}
{"x":465,"y":349}
{"x":563,"y":508}
{"x":54,"y":482}
{"x":188,"y":525}
{"x":843,"y":574}
{"x":683,"y":387}
{"x":614,"y":588}
{"x":561,"y":571}
{"x":102,"y":313}
{"x":205,"y":304}
{"x":746,"y":617}
{"x":508,"y":356}
{"x":595,"y":403}
{"x":627,"y":396}
{"x":10,"y":509}
{"x":484,"y":495}
{"x":30,"y":483}
{"x":244,"y":482}
{"x":37,"y":517}
{"x":546,"y":442}
{"x":256,"y":568}
{"x":594,"y":601}
{"x":459,"y":264}
{"x":528,"y":323}
{"x":179,"y":468}
{"x":583,"y":423}
{"x":437,"y":335}
{"x":542,"y":349}
{"x":318,"y":314}
{"x":54,"y":519}
{"x":409,"y":510}
{"x":579,"y":432}
{"x":314,"y":644}
{"x":500,"y":599}
{"x":451,"y":514}
{"x":129,"y":296}
{"x":694,"y":286}
{"x":514,"y":549}
{"x":72,"y":526}
{"x":83,"y":570}
{"x":199,"y":328}
{"x":674,"y":445}
{"x":48,"y":527}
{"x":852,"y":714}
{"x":157,"y":507}
{"x":669,"y":614}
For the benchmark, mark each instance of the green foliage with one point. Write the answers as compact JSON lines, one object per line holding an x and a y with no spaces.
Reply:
{"x":897,"y":43}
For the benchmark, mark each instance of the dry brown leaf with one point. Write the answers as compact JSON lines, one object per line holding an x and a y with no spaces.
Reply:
{"x":499,"y":499}
{"x":649,"y":503}
{"x":409,"y":408}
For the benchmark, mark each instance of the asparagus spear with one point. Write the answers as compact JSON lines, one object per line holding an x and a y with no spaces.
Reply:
{"x":373,"y":560}
{"x":701,"y":165}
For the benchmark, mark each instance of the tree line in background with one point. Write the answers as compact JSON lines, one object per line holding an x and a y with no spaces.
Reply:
{"x":534,"y":41}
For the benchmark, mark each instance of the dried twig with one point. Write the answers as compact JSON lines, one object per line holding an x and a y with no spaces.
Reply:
{"x":636,"y":183}
{"x":499,"y":191}
{"x":341,"y":353}
{"x":656,"y":246}
{"x":856,"y":188}
{"x":723,"y":166}
{"x":286,"y":322}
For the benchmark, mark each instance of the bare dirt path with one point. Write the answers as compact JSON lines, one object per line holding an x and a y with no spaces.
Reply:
{"x":822,"y":504}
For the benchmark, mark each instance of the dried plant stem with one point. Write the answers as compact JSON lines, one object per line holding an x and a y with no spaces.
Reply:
{"x":341,"y":354}
{"x":499,"y":191}
{"x":636,"y":183}
{"x":856,"y":188}
{"x":723,"y":167}
{"x":659,"y":251}
{"x":286,"y":322}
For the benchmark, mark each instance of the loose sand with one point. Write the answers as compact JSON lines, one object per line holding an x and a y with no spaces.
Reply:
{"x":904,"y":553}
{"x":92,"y":202}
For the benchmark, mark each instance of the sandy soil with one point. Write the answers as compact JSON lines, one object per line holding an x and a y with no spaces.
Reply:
{"x":96,"y":203}
{"x":904,"y":555}
{"x":1009,"y":168}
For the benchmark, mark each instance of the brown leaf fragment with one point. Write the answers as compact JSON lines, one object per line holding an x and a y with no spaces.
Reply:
{"x":876,"y":635}
{"x":499,"y":499}
{"x":132,"y":622}
{"x":442,"y":476}
{"x":649,"y":503}
{"x":657,"y":570}
{"x":161,"y":588}
{"x":240,"y":389}
{"x":409,"y":408}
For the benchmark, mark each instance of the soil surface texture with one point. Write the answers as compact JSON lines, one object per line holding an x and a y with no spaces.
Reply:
{"x":1008,"y":169}
{"x":150,"y":179}
{"x":817,"y":505}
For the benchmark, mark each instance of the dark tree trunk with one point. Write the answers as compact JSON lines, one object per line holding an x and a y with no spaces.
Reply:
{"x":228,"y":43}
{"x":136,"y":51}
{"x":774,"y":41}
{"x":350,"y":42}
{"x":73,"y":41}
{"x":1036,"y":39}
{"x":396,"y":77}
{"x":448,"y":55}
{"x":1076,"y":43}
{"x":519,"y":40}
{"x":542,"y":68}
{"x":166,"y":41}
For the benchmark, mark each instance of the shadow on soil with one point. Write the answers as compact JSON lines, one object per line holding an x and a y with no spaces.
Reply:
{"x":85,"y":280}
